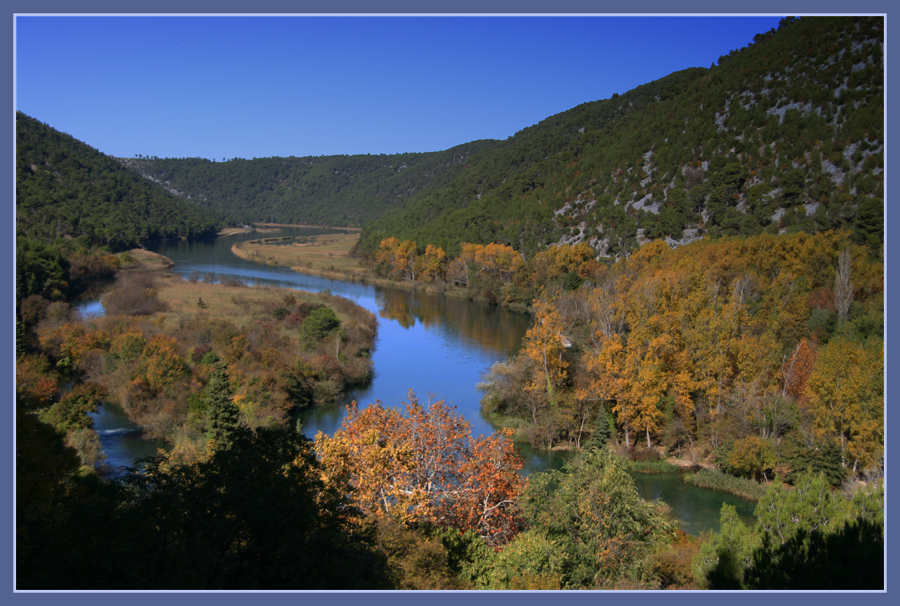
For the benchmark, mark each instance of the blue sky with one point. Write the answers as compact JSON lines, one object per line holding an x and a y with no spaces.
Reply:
{"x":224,"y":87}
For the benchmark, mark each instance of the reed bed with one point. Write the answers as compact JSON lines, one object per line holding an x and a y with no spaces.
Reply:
{"x":716,"y":480}
{"x":651,"y":466}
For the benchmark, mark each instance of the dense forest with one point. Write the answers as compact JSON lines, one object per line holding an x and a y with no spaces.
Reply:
{"x":73,"y":204}
{"x":329,"y":190}
{"x":68,"y":190}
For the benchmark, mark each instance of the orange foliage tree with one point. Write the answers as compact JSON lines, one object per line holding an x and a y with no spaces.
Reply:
{"x":432,"y":266}
{"x":796,"y":369}
{"x":543,"y":345}
{"x":422,"y":465}
{"x":845,"y":394}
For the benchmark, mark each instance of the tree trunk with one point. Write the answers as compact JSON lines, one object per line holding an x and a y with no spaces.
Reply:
{"x":580,"y":430}
{"x":843,"y":288}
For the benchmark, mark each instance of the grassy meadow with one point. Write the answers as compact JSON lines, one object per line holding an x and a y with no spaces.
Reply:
{"x":319,"y":254}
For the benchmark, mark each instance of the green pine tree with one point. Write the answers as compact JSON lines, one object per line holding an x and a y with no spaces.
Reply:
{"x":222,"y":416}
{"x":21,"y":344}
{"x":601,"y":432}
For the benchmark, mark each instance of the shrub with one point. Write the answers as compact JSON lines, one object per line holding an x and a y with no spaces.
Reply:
{"x":673,"y":565}
{"x":133,"y":296}
{"x":752,"y":457}
{"x":86,"y":443}
{"x":280,"y":313}
{"x":70,"y":413}
{"x":128,"y":346}
{"x":319,"y":323}
{"x":199,"y":352}
{"x":822,"y":458}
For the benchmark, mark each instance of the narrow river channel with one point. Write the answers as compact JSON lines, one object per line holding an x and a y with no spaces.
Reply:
{"x":434,"y":345}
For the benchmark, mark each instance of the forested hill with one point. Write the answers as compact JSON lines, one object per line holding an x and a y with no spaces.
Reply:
{"x":783,"y":135}
{"x":333,"y":190}
{"x":69,"y":191}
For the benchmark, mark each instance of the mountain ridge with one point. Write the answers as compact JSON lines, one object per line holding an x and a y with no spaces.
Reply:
{"x":782,"y":135}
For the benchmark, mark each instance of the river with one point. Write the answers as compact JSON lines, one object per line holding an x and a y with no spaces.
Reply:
{"x":434,"y":345}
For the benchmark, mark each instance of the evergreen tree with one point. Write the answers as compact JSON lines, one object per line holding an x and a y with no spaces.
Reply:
{"x":222,"y":416}
{"x":601,"y":433}
{"x":21,"y":343}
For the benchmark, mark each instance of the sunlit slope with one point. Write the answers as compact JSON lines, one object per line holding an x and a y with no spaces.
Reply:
{"x":783,"y":135}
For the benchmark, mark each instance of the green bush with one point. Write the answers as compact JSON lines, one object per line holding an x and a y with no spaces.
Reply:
{"x":318,"y":324}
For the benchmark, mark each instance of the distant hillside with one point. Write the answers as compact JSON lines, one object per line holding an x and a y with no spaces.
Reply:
{"x":333,"y":190}
{"x":784,"y":135}
{"x":68,"y":190}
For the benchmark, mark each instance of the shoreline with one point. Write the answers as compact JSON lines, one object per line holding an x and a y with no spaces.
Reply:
{"x":361,"y":275}
{"x":309,"y":226}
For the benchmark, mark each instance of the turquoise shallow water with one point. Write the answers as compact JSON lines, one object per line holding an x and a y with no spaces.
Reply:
{"x":695,"y":509}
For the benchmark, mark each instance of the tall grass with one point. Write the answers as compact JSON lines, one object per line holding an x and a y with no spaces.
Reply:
{"x":651,"y":466}
{"x":716,"y":480}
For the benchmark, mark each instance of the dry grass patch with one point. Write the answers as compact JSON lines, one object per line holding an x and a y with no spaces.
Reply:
{"x":326,"y":253}
{"x":230,"y":231}
{"x":144,"y":260}
{"x":307,"y":225}
{"x":238,"y":304}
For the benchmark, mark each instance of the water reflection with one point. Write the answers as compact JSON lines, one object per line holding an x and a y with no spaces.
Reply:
{"x":492,"y":329}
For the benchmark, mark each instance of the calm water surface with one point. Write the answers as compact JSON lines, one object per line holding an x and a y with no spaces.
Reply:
{"x":439,"y":347}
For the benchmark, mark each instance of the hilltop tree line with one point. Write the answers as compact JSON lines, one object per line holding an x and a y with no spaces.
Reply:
{"x":329,"y":190}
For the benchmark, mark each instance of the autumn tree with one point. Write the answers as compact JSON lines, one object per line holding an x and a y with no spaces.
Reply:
{"x":384,"y":256}
{"x":422,"y":465}
{"x":573,"y":263}
{"x":543,"y":347}
{"x":843,"y":287}
{"x":845,"y":394}
{"x":796,"y":369}
{"x":432,"y":265}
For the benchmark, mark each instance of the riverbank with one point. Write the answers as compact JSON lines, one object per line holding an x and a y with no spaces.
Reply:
{"x":329,"y":256}
{"x":153,"y":352}
{"x":309,"y":226}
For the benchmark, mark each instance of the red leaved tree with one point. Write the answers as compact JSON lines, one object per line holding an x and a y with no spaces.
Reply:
{"x":422,"y":465}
